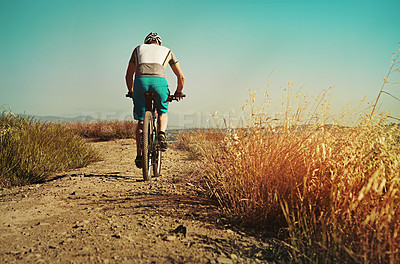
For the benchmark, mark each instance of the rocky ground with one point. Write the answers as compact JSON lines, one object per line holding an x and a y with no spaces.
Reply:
{"x":105,"y":213}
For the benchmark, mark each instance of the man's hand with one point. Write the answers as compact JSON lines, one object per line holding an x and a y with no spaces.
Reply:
{"x":178,"y":95}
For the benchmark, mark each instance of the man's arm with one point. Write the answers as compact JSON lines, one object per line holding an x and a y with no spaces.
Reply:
{"x":129,"y":76}
{"x":176,"y":68}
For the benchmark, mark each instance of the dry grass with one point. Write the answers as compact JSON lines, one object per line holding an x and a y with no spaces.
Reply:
{"x":334,"y":189}
{"x":31,"y":151}
{"x":197,"y":141}
{"x":104,"y":130}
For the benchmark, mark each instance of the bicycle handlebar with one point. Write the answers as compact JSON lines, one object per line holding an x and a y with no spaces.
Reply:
{"x":175,"y":98}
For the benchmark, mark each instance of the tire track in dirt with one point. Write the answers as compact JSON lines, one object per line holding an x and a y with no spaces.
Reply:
{"x":105,"y":213}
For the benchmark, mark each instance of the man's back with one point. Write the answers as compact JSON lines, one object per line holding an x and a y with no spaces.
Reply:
{"x":152,"y":59}
{"x":152,"y":53}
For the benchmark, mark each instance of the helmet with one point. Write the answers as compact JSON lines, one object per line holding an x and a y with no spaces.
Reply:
{"x":153,"y":37}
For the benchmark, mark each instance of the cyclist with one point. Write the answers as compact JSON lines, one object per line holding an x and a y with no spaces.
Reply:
{"x":148,"y":63}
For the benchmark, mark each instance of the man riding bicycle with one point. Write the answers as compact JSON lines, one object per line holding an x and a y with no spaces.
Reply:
{"x":148,"y":62}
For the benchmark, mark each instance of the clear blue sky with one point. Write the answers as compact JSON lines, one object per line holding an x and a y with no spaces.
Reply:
{"x":70,"y":57}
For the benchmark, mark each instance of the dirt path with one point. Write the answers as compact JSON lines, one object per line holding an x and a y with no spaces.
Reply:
{"x":105,"y":213}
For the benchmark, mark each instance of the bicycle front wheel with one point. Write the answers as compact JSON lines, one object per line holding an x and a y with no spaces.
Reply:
{"x":157,"y":163}
{"x":147,"y":145}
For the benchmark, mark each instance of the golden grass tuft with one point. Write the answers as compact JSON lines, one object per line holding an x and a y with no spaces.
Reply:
{"x":334,"y":189}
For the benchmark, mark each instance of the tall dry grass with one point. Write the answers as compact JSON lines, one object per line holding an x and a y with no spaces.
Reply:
{"x":30,"y":152}
{"x":335,"y":189}
{"x":104,"y":130}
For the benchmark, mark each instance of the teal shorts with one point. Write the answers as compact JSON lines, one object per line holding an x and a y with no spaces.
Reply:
{"x":149,"y":84}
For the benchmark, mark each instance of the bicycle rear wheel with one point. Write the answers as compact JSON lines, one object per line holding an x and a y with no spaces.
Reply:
{"x":147,"y":145}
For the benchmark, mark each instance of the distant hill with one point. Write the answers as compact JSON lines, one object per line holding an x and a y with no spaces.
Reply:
{"x":176,"y":120}
{"x":58,"y":119}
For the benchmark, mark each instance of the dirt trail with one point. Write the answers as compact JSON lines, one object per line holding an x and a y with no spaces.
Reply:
{"x":105,"y":213}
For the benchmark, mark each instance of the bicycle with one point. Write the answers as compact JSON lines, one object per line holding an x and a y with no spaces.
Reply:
{"x":151,"y":151}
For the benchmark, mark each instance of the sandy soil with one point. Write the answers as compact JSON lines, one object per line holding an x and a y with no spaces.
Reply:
{"x":105,"y":213}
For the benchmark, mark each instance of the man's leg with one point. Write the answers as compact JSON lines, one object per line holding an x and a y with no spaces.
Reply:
{"x":162,"y":126}
{"x":139,"y":131}
{"x":162,"y":122}
{"x":162,"y":109}
{"x":139,"y":158}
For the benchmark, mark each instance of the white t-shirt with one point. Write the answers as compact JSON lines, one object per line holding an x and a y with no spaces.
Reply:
{"x":152,"y":59}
